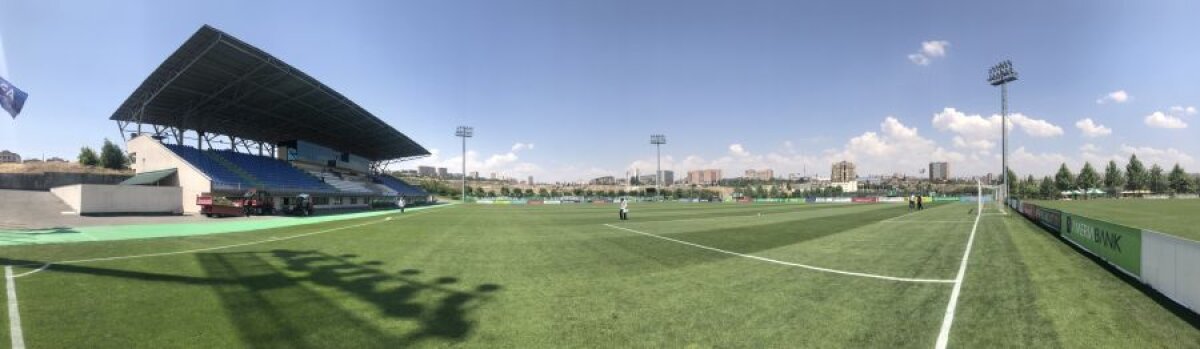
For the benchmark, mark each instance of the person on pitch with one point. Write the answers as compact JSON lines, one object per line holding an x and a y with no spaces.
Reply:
{"x":920,"y":203}
{"x":912,"y":203}
{"x":624,"y":209}
{"x":400,"y":202}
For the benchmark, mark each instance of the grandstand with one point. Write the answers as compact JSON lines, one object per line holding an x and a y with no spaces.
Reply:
{"x":221,"y":116}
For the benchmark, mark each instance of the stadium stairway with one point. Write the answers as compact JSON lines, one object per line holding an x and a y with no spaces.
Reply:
{"x":341,"y":184}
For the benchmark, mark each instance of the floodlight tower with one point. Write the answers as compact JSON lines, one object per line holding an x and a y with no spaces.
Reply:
{"x":1000,"y":75}
{"x":464,"y":132}
{"x":658,"y":141}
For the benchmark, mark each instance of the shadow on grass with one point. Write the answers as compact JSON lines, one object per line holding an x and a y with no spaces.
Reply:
{"x":747,"y":239}
{"x":288,"y":298}
{"x":277,"y":306}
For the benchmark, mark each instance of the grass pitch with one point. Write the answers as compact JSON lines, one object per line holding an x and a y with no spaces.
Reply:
{"x":1176,"y":217}
{"x":675,"y":275}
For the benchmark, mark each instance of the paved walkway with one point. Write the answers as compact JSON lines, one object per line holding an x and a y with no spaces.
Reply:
{"x":142,"y":231}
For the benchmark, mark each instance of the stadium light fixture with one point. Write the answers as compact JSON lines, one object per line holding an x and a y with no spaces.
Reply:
{"x":658,"y":141}
{"x":464,"y":132}
{"x":1000,"y":75}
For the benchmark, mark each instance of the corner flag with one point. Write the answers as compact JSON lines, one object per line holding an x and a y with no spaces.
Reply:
{"x":12,"y":99}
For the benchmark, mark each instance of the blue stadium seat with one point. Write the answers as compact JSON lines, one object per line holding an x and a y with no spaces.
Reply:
{"x":401,"y":188}
{"x":214,"y":170}
{"x":274,"y":173}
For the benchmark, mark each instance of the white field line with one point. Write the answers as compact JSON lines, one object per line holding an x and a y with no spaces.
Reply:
{"x":948,"y":319}
{"x":14,"y":314}
{"x":272,"y":239}
{"x":917,"y":221}
{"x":768,"y":260}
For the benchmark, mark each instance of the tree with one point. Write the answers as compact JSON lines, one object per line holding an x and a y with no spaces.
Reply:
{"x":503,"y":191}
{"x":1047,"y":188}
{"x":112,"y":157}
{"x":529,"y":191}
{"x":87,"y":157}
{"x":1088,"y":178}
{"x":1012,"y":181}
{"x":1135,"y":174}
{"x":1156,"y":180}
{"x":1114,"y":179}
{"x":1178,"y":181}
{"x":1064,"y":180}
{"x":543,"y":192}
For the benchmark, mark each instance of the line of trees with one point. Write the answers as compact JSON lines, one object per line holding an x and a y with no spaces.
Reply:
{"x":110,"y":157}
{"x":1134,"y":177}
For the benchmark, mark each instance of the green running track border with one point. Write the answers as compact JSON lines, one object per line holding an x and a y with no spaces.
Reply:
{"x":145,"y":231}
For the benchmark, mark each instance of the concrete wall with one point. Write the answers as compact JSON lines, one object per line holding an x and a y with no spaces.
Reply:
{"x":102,"y":198}
{"x":45,"y":181}
{"x":150,"y":155}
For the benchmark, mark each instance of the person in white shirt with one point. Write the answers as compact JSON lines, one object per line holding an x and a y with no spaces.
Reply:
{"x":400,"y":203}
{"x":624,"y":209}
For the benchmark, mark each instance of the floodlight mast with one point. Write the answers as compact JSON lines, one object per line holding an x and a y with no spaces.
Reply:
{"x":464,"y":132}
{"x":658,"y":141}
{"x":1000,"y":75}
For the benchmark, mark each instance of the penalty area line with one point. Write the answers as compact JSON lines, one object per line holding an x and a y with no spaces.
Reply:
{"x":14,"y":313}
{"x":943,"y":338}
{"x":791,"y":264}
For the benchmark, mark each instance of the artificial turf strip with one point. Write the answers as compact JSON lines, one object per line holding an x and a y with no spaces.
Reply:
{"x":1174,"y":216}
{"x":1026,"y":288}
{"x":554,"y":277}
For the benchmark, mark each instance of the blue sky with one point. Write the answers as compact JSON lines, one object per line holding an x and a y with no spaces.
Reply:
{"x":566,"y":90}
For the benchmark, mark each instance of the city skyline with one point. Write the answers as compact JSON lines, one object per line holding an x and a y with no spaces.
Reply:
{"x":566,"y":92}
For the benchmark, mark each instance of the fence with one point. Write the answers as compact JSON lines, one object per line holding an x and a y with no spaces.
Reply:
{"x":1166,"y":263}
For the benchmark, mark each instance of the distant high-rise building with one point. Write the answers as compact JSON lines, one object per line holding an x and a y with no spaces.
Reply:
{"x":493,"y":177}
{"x":706,"y":177}
{"x":668,"y":177}
{"x":441,"y":172}
{"x":939,"y":171}
{"x":474,"y":175}
{"x":843,"y":171}
{"x":426,"y":171}
{"x":530,"y":180}
{"x":764,"y":174}
{"x":606,"y":180}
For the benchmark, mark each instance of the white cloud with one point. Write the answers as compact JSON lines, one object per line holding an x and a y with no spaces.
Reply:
{"x":738,"y":150}
{"x":1118,"y":96}
{"x":521,"y":146}
{"x":1160,"y":120}
{"x":1092,"y":129}
{"x":1181,"y":110}
{"x":1089,"y":148}
{"x":929,"y":50}
{"x":918,"y":59}
{"x":507,"y":164}
{"x":1025,"y":162}
{"x":896,"y":149}
{"x":975,"y":128}
{"x":1033,"y":127}
{"x":1163,"y":157}
{"x":977,"y":144}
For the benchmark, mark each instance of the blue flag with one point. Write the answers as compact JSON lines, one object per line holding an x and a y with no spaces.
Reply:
{"x":11,"y":98}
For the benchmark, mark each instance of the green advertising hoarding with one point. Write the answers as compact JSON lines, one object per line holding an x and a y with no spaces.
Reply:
{"x":1121,"y":246}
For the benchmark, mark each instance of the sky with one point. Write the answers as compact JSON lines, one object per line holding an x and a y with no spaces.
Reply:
{"x":569,"y":90}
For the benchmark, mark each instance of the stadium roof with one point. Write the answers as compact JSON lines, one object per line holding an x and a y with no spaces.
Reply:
{"x":219,"y":84}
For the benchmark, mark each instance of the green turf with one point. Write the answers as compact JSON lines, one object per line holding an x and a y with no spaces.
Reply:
{"x":1179,"y":217}
{"x":556,"y":277}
